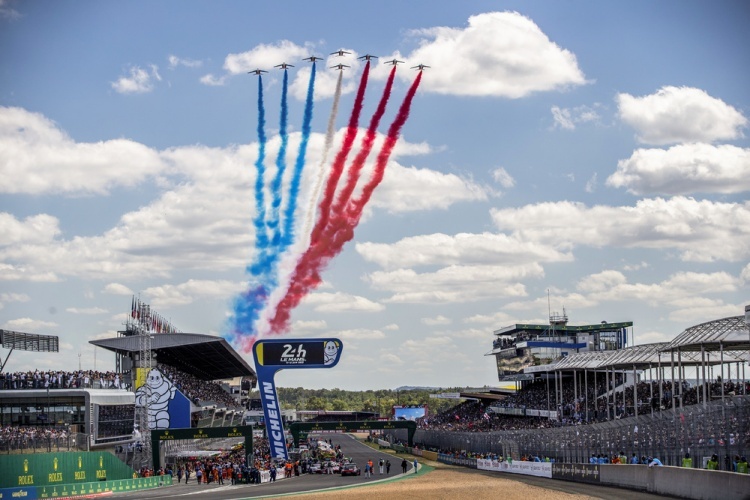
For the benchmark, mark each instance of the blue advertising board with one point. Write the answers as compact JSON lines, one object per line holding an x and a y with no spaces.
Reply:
{"x":271,"y":356}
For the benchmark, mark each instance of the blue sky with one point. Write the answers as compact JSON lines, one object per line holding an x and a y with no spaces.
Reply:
{"x":597,"y":150}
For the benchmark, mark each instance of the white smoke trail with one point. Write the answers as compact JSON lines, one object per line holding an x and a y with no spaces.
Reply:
{"x":315,"y":194}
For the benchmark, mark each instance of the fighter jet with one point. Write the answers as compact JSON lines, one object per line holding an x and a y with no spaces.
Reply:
{"x":284,"y":66}
{"x":393,"y":62}
{"x":340,"y":53}
{"x":257,"y":71}
{"x":367,"y":57}
{"x":340,"y":67}
{"x":420,"y":67}
{"x":313,"y":58}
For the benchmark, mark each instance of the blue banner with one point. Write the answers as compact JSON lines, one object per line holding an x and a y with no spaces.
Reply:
{"x":274,"y":355}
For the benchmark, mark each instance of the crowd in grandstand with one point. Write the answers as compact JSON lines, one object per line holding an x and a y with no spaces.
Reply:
{"x":197,"y":390}
{"x":603,"y":402}
{"x":59,"y":379}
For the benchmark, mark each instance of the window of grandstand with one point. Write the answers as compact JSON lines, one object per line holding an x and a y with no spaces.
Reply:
{"x":114,"y":421}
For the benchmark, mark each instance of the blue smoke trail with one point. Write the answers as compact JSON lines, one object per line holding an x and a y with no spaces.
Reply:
{"x":246,"y":307}
{"x":291,"y":207}
{"x":273,"y":223}
{"x":261,"y":236}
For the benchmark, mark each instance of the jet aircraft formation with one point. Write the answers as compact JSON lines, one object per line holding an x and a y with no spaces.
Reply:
{"x":340,"y":199}
{"x":340,"y":67}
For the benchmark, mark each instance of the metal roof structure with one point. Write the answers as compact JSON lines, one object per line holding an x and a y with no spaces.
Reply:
{"x":641,"y":357}
{"x":562,"y":329}
{"x":204,"y":356}
{"x":727,"y":334}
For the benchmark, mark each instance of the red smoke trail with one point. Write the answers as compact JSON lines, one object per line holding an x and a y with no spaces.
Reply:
{"x":367,"y":141}
{"x":341,"y":228}
{"x":338,"y":164}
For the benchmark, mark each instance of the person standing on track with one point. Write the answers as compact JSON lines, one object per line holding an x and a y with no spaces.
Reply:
{"x":381,"y":464}
{"x":404,"y":465}
{"x":387,"y":466}
{"x":416,"y":465}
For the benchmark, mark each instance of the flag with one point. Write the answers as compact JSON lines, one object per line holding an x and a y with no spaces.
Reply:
{"x":132,"y":307}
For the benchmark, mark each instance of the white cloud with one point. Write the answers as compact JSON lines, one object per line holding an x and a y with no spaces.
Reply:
{"x":389,"y":358}
{"x":117,"y":289}
{"x":675,"y":290}
{"x":409,"y":189}
{"x":745,"y":274}
{"x":213,"y":81}
{"x":309,"y":325}
{"x":591,"y":183}
{"x":37,"y":157}
{"x":14,"y":297}
{"x":562,"y":118}
{"x":680,"y":114}
{"x":359,"y":334}
{"x":437,"y":320}
{"x":462,"y":248}
{"x":175,"y":61}
{"x":685,"y":169}
{"x":342,"y":302}
{"x":391,"y":328}
{"x":502,"y":177}
{"x":190,"y":291}
{"x":29,"y":325}
{"x":266,"y":56}
{"x":138,"y":80}
{"x":89,"y":311}
{"x":498,"y":54}
{"x":690,"y":226}
{"x":498,"y":318}
{"x":454,"y":284}
{"x":7,"y":12}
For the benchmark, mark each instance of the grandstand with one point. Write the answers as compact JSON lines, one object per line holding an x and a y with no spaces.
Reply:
{"x":519,"y":346}
{"x":660,"y":399}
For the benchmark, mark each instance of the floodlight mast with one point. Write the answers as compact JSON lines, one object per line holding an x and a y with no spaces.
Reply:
{"x":144,"y":367}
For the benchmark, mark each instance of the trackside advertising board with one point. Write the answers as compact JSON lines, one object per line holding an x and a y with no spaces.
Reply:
{"x":539,"y":469}
{"x":274,"y":355}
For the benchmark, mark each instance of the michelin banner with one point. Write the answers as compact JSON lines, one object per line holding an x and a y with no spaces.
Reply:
{"x":539,"y":469}
{"x":168,"y":408}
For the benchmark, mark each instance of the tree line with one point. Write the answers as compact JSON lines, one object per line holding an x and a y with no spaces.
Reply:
{"x":380,"y":401}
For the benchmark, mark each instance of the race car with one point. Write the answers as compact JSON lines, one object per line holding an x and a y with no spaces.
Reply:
{"x":331,"y":465}
{"x":350,"y":469}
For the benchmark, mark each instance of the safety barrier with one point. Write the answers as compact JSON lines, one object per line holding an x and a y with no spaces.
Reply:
{"x":89,"y":489}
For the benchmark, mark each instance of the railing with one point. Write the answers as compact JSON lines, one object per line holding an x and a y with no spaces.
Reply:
{"x":44,"y":444}
{"x":721,"y":429}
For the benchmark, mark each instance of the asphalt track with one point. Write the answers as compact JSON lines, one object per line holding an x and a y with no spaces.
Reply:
{"x":360,"y":453}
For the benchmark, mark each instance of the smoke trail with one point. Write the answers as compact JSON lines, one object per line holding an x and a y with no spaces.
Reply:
{"x":338,"y":165}
{"x":291,"y":207}
{"x":367,"y":142}
{"x":321,"y":166}
{"x":307,"y":273}
{"x":244,"y":311}
{"x":273,"y":222}
{"x":355,"y":207}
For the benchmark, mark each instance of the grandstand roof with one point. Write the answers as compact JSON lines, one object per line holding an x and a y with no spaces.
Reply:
{"x":204,"y":356}
{"x":640,"y":356}
{"x":729,"y":334}
{"x":598,"y":327}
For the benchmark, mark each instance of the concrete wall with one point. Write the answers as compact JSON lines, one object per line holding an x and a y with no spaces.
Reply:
{"x":675,"y":481}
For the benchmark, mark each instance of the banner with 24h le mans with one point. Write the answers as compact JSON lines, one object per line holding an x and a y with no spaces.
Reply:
{"x":274,"y":355}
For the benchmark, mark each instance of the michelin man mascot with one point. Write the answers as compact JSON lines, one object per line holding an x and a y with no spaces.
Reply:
{"x":158,"y":391}
{"x":330,"y":350}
